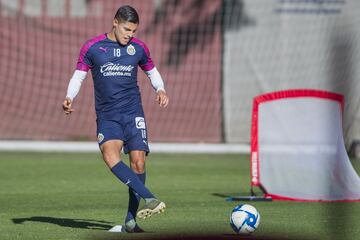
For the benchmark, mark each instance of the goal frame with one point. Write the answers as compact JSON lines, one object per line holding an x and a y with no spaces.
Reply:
{"x":255,"y":173}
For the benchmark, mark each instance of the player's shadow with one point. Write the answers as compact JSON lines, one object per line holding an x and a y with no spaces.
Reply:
{"x":67,"y":222}
{"x":222,"y":195}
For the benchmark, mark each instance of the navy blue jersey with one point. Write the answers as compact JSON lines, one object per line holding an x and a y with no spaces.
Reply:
{"x":114,"y":72}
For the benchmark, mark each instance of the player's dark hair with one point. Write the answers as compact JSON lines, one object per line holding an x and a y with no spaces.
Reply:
{"x":127,"y":13}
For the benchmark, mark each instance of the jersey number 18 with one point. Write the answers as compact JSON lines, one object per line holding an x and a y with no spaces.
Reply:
{"x":117,"y":52}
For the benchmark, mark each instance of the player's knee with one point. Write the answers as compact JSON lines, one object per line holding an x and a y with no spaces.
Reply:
{"x":138,"y":165}
{"x":110,"y":157}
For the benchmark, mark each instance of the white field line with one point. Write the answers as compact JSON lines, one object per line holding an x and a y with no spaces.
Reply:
{"x":65,"y":146}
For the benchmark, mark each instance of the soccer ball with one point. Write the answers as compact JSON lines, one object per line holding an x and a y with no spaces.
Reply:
{"x":244,"y":219}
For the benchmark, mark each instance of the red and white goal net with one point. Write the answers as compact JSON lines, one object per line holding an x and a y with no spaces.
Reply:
{"x":297,"y":147}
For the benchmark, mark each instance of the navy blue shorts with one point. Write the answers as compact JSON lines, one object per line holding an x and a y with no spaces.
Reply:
{"x":131,"y":129}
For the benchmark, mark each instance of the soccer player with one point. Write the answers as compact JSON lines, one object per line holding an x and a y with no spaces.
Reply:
{"x":113,"y":59}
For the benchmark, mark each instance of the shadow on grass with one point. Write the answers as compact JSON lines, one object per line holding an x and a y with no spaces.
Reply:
{"x":67,"y":222}
{"x":224,"y":195}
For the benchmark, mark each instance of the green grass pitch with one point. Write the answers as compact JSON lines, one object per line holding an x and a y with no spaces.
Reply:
{"x":74,"y":196}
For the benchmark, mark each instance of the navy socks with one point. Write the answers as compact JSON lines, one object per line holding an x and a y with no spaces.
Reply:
{"x":127,"y":176}
{"x":134,"y":200}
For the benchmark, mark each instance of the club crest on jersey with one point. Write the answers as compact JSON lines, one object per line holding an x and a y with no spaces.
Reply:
{"x":131,"y":50}
{"x":100,"y":137}
{"x":140,"y":123}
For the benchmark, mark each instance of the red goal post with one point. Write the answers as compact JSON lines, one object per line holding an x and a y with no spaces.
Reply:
{"x":297,"y":147}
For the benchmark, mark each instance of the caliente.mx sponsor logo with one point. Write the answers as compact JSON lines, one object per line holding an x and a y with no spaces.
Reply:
{"x":113,"y":69}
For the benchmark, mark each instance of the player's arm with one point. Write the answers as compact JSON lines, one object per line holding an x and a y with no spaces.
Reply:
{"x":73,"y":89}
{"x":149,"y":68}
{"x":158,"y":84}
{"x":82,"y":67}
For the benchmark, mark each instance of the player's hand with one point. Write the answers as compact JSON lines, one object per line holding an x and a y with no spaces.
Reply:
{"x":67,"y":106}
{"x":162,"y":99}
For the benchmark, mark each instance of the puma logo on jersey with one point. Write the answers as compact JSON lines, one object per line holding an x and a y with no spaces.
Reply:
{"x":103,"y":49}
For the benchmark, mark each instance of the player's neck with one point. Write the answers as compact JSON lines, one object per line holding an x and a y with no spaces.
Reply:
{"x":111,"y":36}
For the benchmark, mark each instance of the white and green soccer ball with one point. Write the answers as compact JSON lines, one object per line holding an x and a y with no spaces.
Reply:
{"x":244,"y":219}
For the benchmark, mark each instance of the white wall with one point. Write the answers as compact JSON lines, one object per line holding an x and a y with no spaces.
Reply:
{"x":282,"y":44}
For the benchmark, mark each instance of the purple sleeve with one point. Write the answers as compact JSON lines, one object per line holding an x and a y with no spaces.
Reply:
{"x":146,"y":62}
{"x":84,"y":62}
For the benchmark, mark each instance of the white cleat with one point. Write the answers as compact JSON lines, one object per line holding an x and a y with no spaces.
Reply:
{"x":152,"y":207}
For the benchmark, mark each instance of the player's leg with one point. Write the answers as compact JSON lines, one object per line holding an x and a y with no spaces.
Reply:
{"x":137,"y":164}
{"x":137,"y":161}
{"x":137,"y":146}
{"x":111,"y":154}
{"x":110,"y":151}
{"x":109,"y":135}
